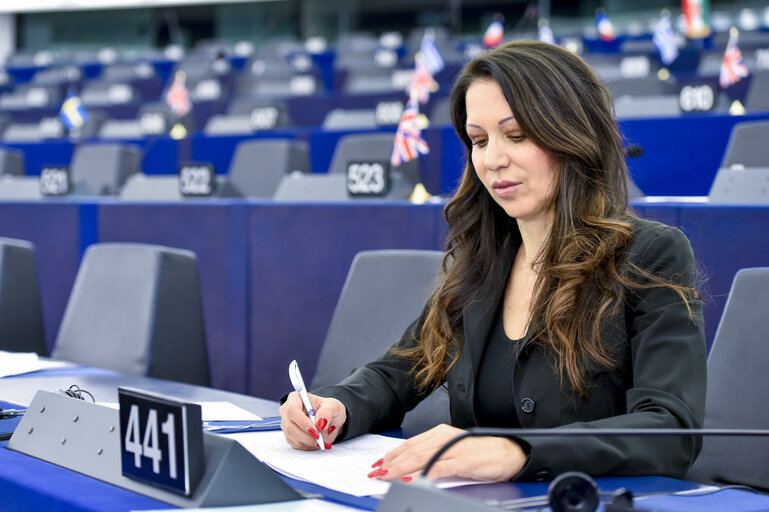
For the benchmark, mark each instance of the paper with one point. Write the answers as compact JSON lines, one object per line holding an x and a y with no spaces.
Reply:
{"x":285,"y":506}
{"x":215,"y":411}
{"x":18,"y":363}
{"x":344,"y":468}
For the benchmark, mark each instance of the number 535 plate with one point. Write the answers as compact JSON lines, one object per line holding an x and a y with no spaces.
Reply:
{"x":161,"y":440}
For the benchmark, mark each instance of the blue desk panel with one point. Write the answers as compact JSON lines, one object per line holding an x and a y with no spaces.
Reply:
{"x":299,"y":255}
{"x":217,"y":232}
{"x":725,"y":239}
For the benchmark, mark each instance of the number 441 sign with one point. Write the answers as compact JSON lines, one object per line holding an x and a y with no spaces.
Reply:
{"x":161,"y":440}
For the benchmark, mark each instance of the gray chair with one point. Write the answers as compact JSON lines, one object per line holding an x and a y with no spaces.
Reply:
{"x":136,"y":309}
{"x":102,"y":169}
{"x":647,"y":106}
{"x":259,"y":165}
{"x":738,"y":384}
{"x":383,"y":293}
{"x":357,"y":119}
{"x":757,"y":99}
{"x":324,"y":188}
{"x":748,"y":145}
{"x":369,"y":147}
{"x":11,"y":162}
{"x":21,"y":317}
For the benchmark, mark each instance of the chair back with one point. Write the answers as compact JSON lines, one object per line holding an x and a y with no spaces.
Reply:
{"x":369,"y":147}
{"x":21,"y":317}
{"x":738,"y":386}
{"x":384,"y":292}
{"x":102,"y":169}
{"x":136,"y":309}
{"x":748,"y":145}
{"x":259,"y":165}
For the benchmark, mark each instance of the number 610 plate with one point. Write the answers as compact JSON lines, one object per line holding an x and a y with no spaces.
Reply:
{"x":161,"y":440}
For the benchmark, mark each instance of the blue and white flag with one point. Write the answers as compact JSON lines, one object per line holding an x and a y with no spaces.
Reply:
{"x":72,"y":112}
{"x":431,"y":57}
{"x":665,"y":40}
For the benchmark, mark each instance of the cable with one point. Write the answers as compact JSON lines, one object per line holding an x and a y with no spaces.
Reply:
{"x":11,"y":413}
{"x":76,"y":391}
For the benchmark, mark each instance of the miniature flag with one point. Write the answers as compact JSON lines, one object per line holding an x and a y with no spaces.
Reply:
{"x":696,"y":16}
{"x":431,"y":57}
{"x":495,"y":34}
{"x":72,"y":112}
{"x":178,"y":98}
{"x":732,"y":68}
{"x":408,"y":138}
{"x":422,"y":82}
{"x":604,"y":26}
{"x":665,"y":40}
{"x":545,"y":32}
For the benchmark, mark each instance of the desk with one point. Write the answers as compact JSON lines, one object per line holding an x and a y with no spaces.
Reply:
{"x":28,"y":484}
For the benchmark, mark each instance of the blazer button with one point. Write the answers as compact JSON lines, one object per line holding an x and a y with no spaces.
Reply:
{"x":527,"y":405}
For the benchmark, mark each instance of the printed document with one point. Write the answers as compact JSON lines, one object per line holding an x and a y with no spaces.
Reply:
{"x":343,"y":468}
{"x":17,"y":363}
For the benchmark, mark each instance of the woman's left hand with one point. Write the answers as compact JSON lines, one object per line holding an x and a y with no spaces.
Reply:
{"x":478,"y":458}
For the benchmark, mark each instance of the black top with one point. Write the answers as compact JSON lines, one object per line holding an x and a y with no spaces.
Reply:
{"x":494,"y":400}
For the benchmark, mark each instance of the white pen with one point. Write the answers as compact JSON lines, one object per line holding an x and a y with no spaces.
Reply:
{"x":296,"y":380}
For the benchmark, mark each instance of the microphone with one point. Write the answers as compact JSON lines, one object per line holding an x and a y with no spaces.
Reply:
{"x":571,"y":491}
{"x":634,"y":151}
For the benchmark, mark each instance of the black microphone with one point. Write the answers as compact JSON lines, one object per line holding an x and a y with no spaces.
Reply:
{"x":572,"y":491}
{"x":634,"y":151}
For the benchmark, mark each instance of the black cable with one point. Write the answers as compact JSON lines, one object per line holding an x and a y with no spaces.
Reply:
{"x":76,"y":391}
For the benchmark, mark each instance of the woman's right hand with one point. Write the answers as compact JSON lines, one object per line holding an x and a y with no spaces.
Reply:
{"x":298,"y":427}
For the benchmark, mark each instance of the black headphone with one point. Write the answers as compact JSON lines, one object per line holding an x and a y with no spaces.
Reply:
{"x":577,"y":492}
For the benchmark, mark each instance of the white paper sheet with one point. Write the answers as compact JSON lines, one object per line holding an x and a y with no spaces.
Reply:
{"x":344,"y":468}
{"x":18,"y":363}
{"x":216,"y":411}
{"x":312,"y":505}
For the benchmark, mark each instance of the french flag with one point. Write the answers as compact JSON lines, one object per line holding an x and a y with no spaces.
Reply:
{"x":495,"y":34}
{"x":604,"y":26}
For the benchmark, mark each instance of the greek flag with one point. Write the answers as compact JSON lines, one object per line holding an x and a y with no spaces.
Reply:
{"x":431,"y":57}
{"x":72,"y":112}
{"x":665,"y":40}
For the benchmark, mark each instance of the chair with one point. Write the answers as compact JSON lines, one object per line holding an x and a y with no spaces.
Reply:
{"x":757,"y":99}
{"x":11,"y":162}
{"x":369,"y":147}
{"x":259,"y":165}
{"x":738,"y":385}
{"x":21,"y":317}
{"x":357,"y":119}
{"x":747,"y":145}
{"x":136,"y":309}
{"x":383,"y":293}
{"x":102,"y":169}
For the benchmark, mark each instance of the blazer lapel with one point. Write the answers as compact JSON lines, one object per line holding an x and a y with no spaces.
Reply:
{"x":477,"y":319}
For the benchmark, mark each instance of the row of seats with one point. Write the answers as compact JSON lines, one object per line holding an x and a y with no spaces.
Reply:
{"x":279,"y":169}
{"x":152,"y":325}
{"x":260,"y":168}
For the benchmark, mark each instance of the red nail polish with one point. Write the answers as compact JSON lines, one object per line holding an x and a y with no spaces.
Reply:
{"x":327,"y":445}
{"x":322,"y":423}
{"x":312,"y":432}
{"x":331,"y":429}
{"x":377,"y":472}
{"x":406,"y":478}
{"x":377,"y":463}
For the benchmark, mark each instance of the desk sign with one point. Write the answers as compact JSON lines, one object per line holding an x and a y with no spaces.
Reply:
{"x":55,"y":181}
{"x":368,"y":179}
{"x":697,"y":98}
{"x":161,"y":440}
{"x":197,"y":179}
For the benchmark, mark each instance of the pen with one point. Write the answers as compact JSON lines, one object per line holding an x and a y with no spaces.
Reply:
{"x":296,"y":380}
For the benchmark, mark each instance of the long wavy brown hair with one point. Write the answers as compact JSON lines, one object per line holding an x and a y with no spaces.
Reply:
{"x":564,"y":109}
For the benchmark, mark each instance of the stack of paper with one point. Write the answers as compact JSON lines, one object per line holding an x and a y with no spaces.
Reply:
{"x":343,"y":468}
{"x":17,"y":363}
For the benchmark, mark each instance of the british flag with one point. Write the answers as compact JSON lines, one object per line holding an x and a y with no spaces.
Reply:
{"x":422,"y":82}
{"x":178,"y":98}
{"x":408,"y":138}
{"x":732,"y":68}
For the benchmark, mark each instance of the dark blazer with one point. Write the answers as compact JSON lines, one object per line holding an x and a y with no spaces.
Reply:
{"x":660,"y":380}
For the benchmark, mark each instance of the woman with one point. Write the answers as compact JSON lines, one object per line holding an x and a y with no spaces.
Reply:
{"x":559,"y":308}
